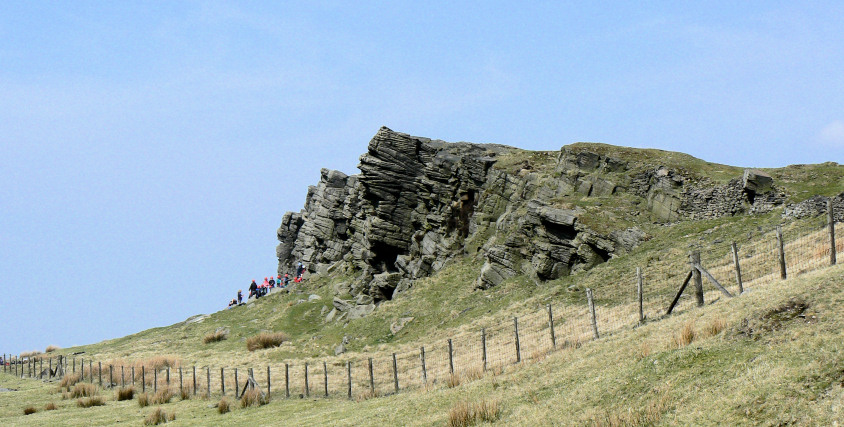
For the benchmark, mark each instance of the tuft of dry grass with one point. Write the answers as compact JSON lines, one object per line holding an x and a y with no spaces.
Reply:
{"x":158,"y":416}
{"x":253,"y":398}
{"x":125,"y":393}
{"x":224,"y":406}
{"x":50,"y":407}
{"x":29,"y":410}
{"x":714,"y":328}
{"x":52,"y":348}
{"x":143,"y":400}
{"x":473,"y":374}
{"x":90,"y":401}
{"x":685,"y":337}
{"x":265,"y":340}
{"x":84,"y":390}
{"x":184,"y":393}
{"x":453,"y":380}
{"x":465,"y":414}
{"x":649,"y":415}
{"x":215,"y":337}
{"x":366,"y":395}
{"x":69,"y":381}
{"x":30,"y":353}
{"x":163,"y":396}
{"x":643,"y":351}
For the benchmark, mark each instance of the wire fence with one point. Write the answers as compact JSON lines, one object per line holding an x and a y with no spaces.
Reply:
{"x":765,"y":256}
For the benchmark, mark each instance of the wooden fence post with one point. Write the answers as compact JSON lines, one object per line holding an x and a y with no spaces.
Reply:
{"x":91,"y":370}
{"x":550,"y":327}
{"x":181,"y":381}
{"x":122,"y":376}
{"x":155,"y":380}
{"x":74,"y":365}
{"x":396,"y":372}
{"x":325,"y":377}
{"x":194,"y":380}
{"x":738,"y":269}
{"x":81,"y":370}
{"x":694,"y":259}
{"x":450,"y":358}
{"x":223,"y":382}
{"x":640,"y":293}
{"x":307,"y":386}
{"x":110,"y":375}
{"x":592,"y":315}
{"x":208,"y":380}
{"x":483,"y":346}
{"x":349,"y":374}
{"x":269,"y":382}
{"x":286,"y":380}
{"x":100,"y":373}
{"x":236,"y":384}
{"x":143,"y":379}
{"x":830,"y":217}
{"x":168,"y":377}
{"x":518,"y":346}
{"x":371,"y":378}
{"x":424,"y":368}
{"x":133,"y":376}
{"x":781,"y":248}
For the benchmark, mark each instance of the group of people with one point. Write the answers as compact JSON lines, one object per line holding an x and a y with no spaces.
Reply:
{"x":270,"y":282}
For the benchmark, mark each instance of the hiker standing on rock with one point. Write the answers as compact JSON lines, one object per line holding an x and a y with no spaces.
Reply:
{"x":240,"y":296}
{"x":272,"y":282}
{"x":286,"y":280}
{"x":253,"y":289}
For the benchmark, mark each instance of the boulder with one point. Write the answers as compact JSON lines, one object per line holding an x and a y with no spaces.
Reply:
{"x":756,"y":181}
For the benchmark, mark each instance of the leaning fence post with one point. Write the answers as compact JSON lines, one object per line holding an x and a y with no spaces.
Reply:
{"x":286,"y":380}
{"x":424,"y":368}
{"x":640,"y":293}
{"x":349,"y":375}
{"x":518,"y":346}
{"x":483,"y":346}
{"x":781,"y":249}
{"x":396,"y":372}
{"x":307,"y":386}
{"x":830,"y":217}
{"x":371,"y":378}
{"x":450,"y":358}
{"x":738,"y":269}
{"x":594,"y":318}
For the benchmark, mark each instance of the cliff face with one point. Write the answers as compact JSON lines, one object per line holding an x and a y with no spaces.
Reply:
{"x":418,"y":203}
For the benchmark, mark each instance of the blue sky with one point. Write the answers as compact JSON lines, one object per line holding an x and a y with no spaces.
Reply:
{"x":148,"y":150}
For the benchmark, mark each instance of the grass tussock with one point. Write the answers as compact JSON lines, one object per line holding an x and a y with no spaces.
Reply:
{"x":184,"y":393}
{"x":84,"y":390}
{"x":69,"y":381}
{"x":224,"y":406}
{"x":50,"y":407}
{"x":473,"y":374}
{"x":29,"y":410}
{"x":253,"y":398}
{"x":215,"y":337}
{"x":714,"y":328}
{"x":649,"y":415}
{"x":52,"y":348}
{"x":265,"y":340}
{"x":685,"y":337}
{"x":465,"y":414}
{"x":125,"y":393}
{"x":453,"y":380}
{"x":159,"y":416}
{"x":163,"y":396}
{"x":90,"y":401}
{"x":643,"y":351}
{"x":366,"y":395}
{"x":143,"y":400}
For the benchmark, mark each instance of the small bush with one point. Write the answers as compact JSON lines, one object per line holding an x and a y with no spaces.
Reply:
{"x":265,"y":340}
{"x":52,"y":348}
{"x":215,"y":337}
{"x":50,"y":407}
{"x":253,"y":398}
{"x":158,"y":416}
{"x":125,"y":393}
{"x":29,"y":410}
{"x":69,"y":381}
{"x":84,"y":390}
{"x":143,"y":400}
{"x":465,"y":414}
{"x":90,"y":401}
{"x":224,"y":406}
{"x":163,"y":396}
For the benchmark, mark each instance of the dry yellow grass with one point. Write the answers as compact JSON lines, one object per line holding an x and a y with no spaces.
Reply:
{"x":90,"y":402}
{"x":69,"y":381}
{"x":29,"y":410}
{"x":158,"y":416}
{"x":224,"y":406}
{"x":162,"y":396}
{"x":126,"y":393}
{"x":253,"y":397}
{"x":52,"y":348}
{"x":265,"y":340}
{"x":143,"y":400}
{"x":84,"y":390}
{"x":50,"y":407}
{"x":685,"y":337}
{"x":215,"y":337}
{"x":465,"y":413}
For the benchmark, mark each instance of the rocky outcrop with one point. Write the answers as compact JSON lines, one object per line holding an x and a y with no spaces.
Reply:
{"x":418,"y":203}
{"x":815,"y":206}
